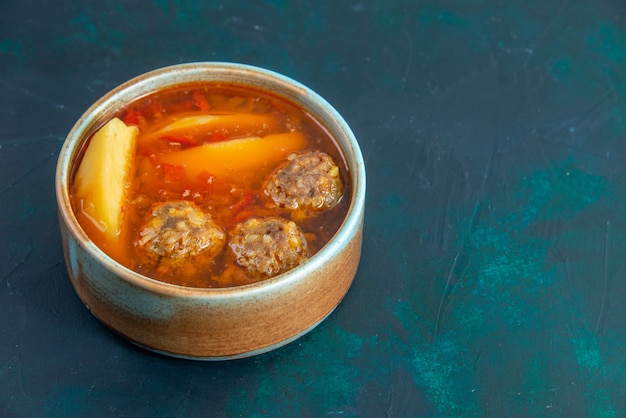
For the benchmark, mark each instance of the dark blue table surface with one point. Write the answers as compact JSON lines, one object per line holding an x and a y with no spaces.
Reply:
{"x":492,"y":281}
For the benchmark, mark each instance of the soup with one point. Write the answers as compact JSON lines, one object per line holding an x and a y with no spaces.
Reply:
{"x":211,"y":185}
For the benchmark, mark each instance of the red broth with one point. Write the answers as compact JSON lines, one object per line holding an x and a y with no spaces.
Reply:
{"x":175,"y":127}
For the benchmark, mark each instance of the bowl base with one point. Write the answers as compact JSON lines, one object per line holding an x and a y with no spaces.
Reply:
{"x":243,"y":355}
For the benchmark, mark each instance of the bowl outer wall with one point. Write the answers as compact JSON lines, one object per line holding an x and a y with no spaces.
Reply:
{"x":212,"y":323}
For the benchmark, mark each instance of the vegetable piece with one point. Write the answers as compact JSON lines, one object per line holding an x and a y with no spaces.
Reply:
{"x":245,"y":200}
{"x":230,"y":159}
{"x":231,"y":124}
{"x":100,"y":181}
{"x":172,"y":173}
{"x":200,"y":101}
{"x":133,"y":117}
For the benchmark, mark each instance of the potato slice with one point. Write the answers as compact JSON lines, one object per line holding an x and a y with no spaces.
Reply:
{"x":101,"y":179}
{"x":230,"y":159}
{"x":227,"y":124}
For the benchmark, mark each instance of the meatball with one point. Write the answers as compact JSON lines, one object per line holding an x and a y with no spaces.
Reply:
{"x":269,"y":246}
{"x":178,"y":233}
{"x":308,"y":180}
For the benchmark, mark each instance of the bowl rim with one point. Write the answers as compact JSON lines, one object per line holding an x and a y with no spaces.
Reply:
{"x":315,"y":104}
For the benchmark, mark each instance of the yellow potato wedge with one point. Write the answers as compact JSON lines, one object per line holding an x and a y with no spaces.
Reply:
{"x":229,"y":159}
{"x":228,"y":124}
{"x":103,"y":174}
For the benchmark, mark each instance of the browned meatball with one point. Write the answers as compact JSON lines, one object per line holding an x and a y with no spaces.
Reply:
{"x":308,"y":180}
{"x":177,"y":233}
{"x":266,"y":247}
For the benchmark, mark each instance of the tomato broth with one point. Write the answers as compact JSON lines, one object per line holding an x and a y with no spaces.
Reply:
{"x":215,"y":145}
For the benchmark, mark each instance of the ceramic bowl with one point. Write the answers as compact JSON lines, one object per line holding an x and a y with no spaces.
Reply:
{"x":224,"y":323}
